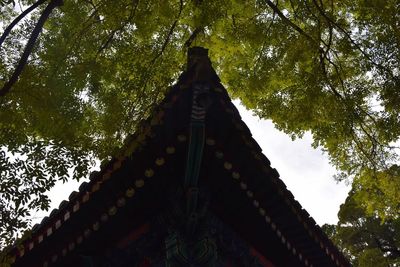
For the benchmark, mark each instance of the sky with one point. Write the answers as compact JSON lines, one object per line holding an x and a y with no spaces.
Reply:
{"x":305,"y":171}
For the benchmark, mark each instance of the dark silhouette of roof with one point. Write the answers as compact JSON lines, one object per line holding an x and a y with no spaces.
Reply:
{"x":246,"y":193}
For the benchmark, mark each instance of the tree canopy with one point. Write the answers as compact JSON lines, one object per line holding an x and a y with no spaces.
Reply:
{"x":76,"y":77}
{"x":365,"y":238}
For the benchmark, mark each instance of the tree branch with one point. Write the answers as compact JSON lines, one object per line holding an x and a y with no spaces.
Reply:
{"x":6,"y":2}
{"x":193,"y":36}
{"x":18,"y":19}
{"x":147,"y":77}
{"x":353,"y":42}
{"x":290,"y":23}
{"x":169,"y":34}
{"x":29,"y":46}
{"x":323,"y":55}
{"x":119,"y":29}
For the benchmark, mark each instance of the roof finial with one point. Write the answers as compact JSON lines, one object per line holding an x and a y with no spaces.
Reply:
{"x":200,"y":65}
{"x":194,"y":54}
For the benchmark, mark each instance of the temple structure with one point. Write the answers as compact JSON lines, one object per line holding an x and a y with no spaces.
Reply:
{"x":189,"y":188}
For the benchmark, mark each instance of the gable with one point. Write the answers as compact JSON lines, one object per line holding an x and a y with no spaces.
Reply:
{"x":147,"y":179}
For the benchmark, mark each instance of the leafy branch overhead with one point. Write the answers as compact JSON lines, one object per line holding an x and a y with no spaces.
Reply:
{"x":365,"y":238}
{"x":325,"y":66}
{"x":31,"y":42}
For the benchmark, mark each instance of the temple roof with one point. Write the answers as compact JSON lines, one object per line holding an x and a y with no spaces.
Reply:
{"x":246,"y":192}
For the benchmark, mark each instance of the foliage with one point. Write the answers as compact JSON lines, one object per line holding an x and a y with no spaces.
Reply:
{"x":366,"y":239}
{"x":326,"y":66}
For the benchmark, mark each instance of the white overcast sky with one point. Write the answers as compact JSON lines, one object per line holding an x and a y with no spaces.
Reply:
{"x":305,"y":171}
